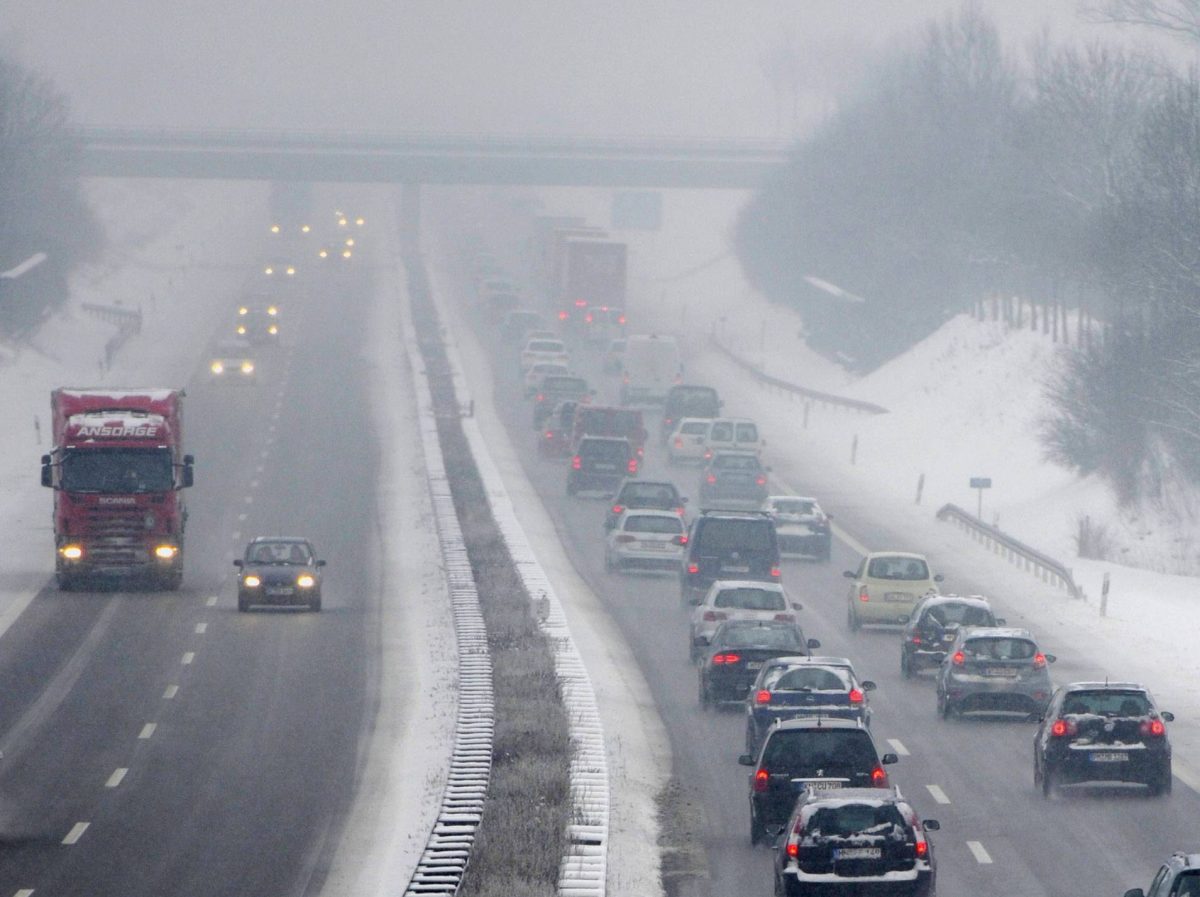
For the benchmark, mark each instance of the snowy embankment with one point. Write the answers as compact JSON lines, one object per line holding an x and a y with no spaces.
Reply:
{"x":965,"y":402}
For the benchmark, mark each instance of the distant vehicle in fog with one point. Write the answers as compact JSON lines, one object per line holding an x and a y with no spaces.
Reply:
{"x":650,"y":368}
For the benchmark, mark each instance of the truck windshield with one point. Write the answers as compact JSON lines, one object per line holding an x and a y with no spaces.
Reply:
{"x":117,"y":470}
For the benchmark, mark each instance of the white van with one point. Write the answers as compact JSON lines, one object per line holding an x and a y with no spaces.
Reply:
{"x":650,"y":368}
{"x":732,"y":434}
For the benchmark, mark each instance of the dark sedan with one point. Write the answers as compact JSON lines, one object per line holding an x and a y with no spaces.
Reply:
{"x":738,"y":650}
{"x":279,"y":571}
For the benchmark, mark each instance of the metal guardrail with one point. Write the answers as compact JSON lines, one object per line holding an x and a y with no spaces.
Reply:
{"x":1013,"y":550}
{"x":125,"y":318}
{"x":448,"y":849}
{"x":824,"y":398}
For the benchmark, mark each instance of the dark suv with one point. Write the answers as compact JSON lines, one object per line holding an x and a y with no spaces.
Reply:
{"x":637,"y":495}
{"x":737,"y":478}
{"x":932,"y":628}
{"x":555,"y":389}
{"x":1103,"y":732}
{"x":1179,"y":875}
{"x":738,"y":650}
{"x":728,"y":545}
{"x":856,"y":841}
{"x":600,"y":463}
{"x":809,"y":754}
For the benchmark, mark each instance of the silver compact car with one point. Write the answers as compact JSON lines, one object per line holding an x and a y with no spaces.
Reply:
{"x":645,"y":539}
{"x":996,"y":670}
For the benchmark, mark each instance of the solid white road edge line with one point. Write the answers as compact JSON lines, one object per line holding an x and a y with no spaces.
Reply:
{"x":76,"y":832}
{"x":981,"y":856}
{"x":116,"y":778}
{"x":938,"y":794}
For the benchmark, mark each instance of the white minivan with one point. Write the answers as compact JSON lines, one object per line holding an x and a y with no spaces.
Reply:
{"x":650,"y":368}
{"x":732,"y":434}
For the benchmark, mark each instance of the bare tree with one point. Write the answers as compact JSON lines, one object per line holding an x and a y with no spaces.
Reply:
{"x":1180,"y":18}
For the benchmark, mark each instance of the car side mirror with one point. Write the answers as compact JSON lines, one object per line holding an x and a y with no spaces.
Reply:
{"x":320,"y":563}
{"x":1050,"y":658}
{"x":1135,"y":892}
{"x":683,"y":500}
{"x":931,"y":825}
{"x":238,"y":562}
{"x":889,"y":759}
{"x":813,"y":644}
{"x":868,"y":685}
{"x":849,"y":574}
{"x":1167,"y":716}
{"x":939,"y":578}
{"x":745,"y":760}
{"x":796,"y":605}
{"x":1000,"y":621}
{"x":700,"y":641}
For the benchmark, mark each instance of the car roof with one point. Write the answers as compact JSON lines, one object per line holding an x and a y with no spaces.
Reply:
{"x":590,"y":438}
{"x":734,"y":453}
{"x":969,"y":632}
{"x":801,"y":660}
{"x":640,"y":482}
{"x":299,"y":540}
{"x":895,"y":554}
{"x":649,"y":512}
{"x":1105,"y":686}
{"x":718,"y":513}
{"x":719,"y":584}
{"x":872,"y":796}
{"x":973,"y":600}
{"x":774,"y":498}
{"x":813,"y":722}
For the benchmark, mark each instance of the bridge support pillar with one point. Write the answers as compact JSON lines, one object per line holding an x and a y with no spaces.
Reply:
{"x":410,"y":214}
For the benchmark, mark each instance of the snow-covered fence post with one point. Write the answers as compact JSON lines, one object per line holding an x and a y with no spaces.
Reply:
{"x":1104,"y":597}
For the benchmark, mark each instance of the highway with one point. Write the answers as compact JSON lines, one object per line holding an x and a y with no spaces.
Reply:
{"x":999,"y":836}
{"x":164,"y":744}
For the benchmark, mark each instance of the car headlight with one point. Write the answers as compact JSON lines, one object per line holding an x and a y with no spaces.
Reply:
{"x":241,"y":329}
{"x":290,"y":271}
{"x":342,"y":222}
{"x":359,"y":221}
{"x":272,"y":310}
{"x":71,"y":552}
{"x":247,"y":367}
{"x":346,"y":253}
{"x":217,"y":367}
{"x":268,"y":270}
{"x":306,"y":581}
{"x":304,"y":228}
{"x":324,"y":253}
{"x":165,"y":552}
{"x":274,"y":228}
{"x":273,"y":330}
{"x":242,"y":310}
{"x":349,"y":241}
{"x":251,"y":581}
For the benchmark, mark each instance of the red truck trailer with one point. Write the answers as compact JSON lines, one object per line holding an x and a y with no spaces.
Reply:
{"x":117,"y":469}
{"x":592,"y":288}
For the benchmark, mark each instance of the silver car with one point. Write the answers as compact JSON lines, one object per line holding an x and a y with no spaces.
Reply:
{"x":994,"y":669}
{"x":645,"y":539}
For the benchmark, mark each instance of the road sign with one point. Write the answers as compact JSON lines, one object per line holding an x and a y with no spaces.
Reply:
{"x":981,"y":482}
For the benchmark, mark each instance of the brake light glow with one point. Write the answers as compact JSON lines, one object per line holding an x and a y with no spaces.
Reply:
{"x":776,"y":573}
{"x":632,"y":465}
{"x":576,"y":463}
{"x":879,"y":778}
{"x":761,"y":778}
{"x":678,"y":442}
{"x":762,"y":481}
{"x":958,"y":659}
{"x":916,"y":639}
{"x":618,"y":509}
{"x":862,"y":594}
{"x":682,"y":539}
{"x":922,"y":848}
{"x":581,"y":303}
{"x":1153,"y":727}
{"x":711,"y":479}
{"x":856,"y":696}
{"x":763,"y":697}
{"x":541,"y":397}
{"x":1039,"y":661}
{"x":621,"y":320}
{"x":589,"y":317}
{"x":726,"y":659}
{"x":549,"y":434}
{"x":679,"y":511}
{"x":1063,"y":728}
{"x":562,"y":315}
{"x":693,"y":568}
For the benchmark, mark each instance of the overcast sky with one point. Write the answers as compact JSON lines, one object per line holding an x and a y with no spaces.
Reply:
{"x":617,"y":67}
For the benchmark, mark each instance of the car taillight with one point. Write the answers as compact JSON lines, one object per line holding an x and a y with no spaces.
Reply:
{"x":1063,"y":728}
{"x":761,"y":779}
{"x":576,"y":463}
{"x":679,"y":511}
{"x":922,"y":848}
{"x":856,"y":696}
{"x":793,"y":843}
{"x":549,"y":434}
{"x":621,"y":320}
{"x":763,"y":697}
{"x":1153,"y":727}
{"x":693,"y":568}
{"x":958,"y":659}
{"x":776,"y":573}
{"x":562,"y":315}
{"x":678,"y":442}
{"x":1039,"y":661}
{"x":916,"y":639}
{"x":786,"y":618}
{"x":762,"y":481}
{"x":632,"y":466}
{"x":589,"y":317}
{"x":681,"y":539}
{"x":726,"y":659}
{"x":707,"y":455}
{"x":711,"y":616}
{"x":879,"y":778}
{"x":540,"y":397}
{"x":617,"y":509}
{"x":711,"y":479}
{"x":581,"y":303}
{"x":862,"y":594}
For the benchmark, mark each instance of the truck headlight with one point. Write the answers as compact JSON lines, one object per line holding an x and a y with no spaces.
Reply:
{"x":217,"y":368}
{"x":247,"y":367}
{"x":305,"y":581}
{"x":251,"y":581}
{"x":165,"y":552}
{"x":273,"y":330}
{"x":71,"y":552}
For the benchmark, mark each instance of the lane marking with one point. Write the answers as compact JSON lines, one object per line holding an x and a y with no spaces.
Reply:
{"x":237,"y":534}
{"x":249,"y":499}
{"x":242,"y":516}
{"x":854,"y":544}
{"x":981,"y":856}
{"x":115,"y":779}
{"x":938,"y":794}
{"x":172,"y":691}
{"x":254,"y":484}
{"x":188,"y":657}
{"x":147,"y":731}
{"x":898,"y":747}
{"x":76,"y":832}
{"x":212,"y":601}
{"x":1184,"y":773}
{"x":24,"y":892}
{"x":201,"y":628}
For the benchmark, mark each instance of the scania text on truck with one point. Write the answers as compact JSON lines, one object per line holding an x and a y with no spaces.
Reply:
{"x":117,"y":469}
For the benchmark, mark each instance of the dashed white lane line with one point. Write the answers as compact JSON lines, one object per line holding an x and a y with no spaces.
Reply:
{"x":938,"y":794}
{"x":981,"y":856}
{"x":76,"y":832}
{"x":188,"y":657}
{"x":212,"y":601}
{"x":147,"y":731}
{"x":254,"y":484}
{"x":117,"y":777}
{"x":201,"y":628}
{"x":172,"y":691}
{"x":242,"y":516}
{"x":249,"y":499}
{"x":236,"y":534}
{"x":898,"y":747}
{"x":24,"y":892}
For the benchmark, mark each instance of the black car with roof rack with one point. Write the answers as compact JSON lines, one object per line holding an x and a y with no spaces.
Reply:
{"x":933,"y":626}
{"x":1103,"y":732}
{"x":728,"y":545}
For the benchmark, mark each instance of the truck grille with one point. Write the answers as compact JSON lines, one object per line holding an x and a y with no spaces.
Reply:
{"x":105,"y":522}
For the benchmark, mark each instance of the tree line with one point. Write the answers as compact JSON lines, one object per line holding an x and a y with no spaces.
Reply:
{"x":1069,"y":177}
{"x":42,"y":205}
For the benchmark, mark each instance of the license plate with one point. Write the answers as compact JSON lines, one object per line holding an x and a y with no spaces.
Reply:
{"x":948,"y":638}
{"x":754,"y":665}
{"x":858,"y":853}
{"x":1000,"y":673}
{"x":822,"y":785}
{"x":735,"y":569}
{"x":655,"y":546}
{"x":1109,"y":757}
{"x":280,"y":590}
{"x":897,"y":596}
{"x":606,"y":467}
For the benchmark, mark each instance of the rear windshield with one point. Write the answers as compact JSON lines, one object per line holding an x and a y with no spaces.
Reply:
{"x":694,"y":428}
{"x":999,"y":649}
{"x":736,"y":462}
{"x":545,"y":345}
{"x":807,"y":679}
{"x":693,"y":401}
{"x":1107,"y":703}
{"x":807,"y":750}
{"x":747,"y":433}
{"x":564,"y":384}
{"x":845,"y":820}
{"x":609,"y":420}
{"x":736,"y":535}
{"x":799,"y":508}
{"x":647,"y":523}
{"x":549,"y":367}
{"x":960,"y":615}
{"x":750,"y":599}
{"x":608,"y":450}
{"x":648,"y":492}
{"x":911,"y":569}
{"x":785,"y":637}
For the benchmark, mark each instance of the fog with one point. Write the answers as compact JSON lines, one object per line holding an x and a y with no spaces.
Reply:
{"x":711,"y":68}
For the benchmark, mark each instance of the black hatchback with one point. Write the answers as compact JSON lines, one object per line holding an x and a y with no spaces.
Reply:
{"x":1103,"y":732}
{"x":738,"y":650}
{"x":279,"y":571}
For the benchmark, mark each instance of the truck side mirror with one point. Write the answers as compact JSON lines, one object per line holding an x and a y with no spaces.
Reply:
{"x":47,"y":471}
{"x":187,"y":477}
{"x":238,"y":562}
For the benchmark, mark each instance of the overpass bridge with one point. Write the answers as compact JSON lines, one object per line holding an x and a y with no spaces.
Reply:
{"x":428,"y":159}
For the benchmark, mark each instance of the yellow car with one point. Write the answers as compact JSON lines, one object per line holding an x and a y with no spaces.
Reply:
{"x":887,"y":586}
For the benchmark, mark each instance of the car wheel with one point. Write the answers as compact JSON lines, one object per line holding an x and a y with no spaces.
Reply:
{"x":705,"y":695}
{"x":243,"y":603}
{"x":945,"y":706}
{"x":906,"y":669}
{"x":571,"y":487}
{"x":758,"y":832}
{"x":608,"y":564}
{"x":314,"y":604}
{"x":66,"y":582}
{"x":1048,"y":782}
{"x":751,"y":741}
{"x":1161,"y":785}
{"x":852,"y":619}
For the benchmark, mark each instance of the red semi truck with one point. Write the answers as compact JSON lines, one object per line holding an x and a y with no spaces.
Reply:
{"x":118,"y":470}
